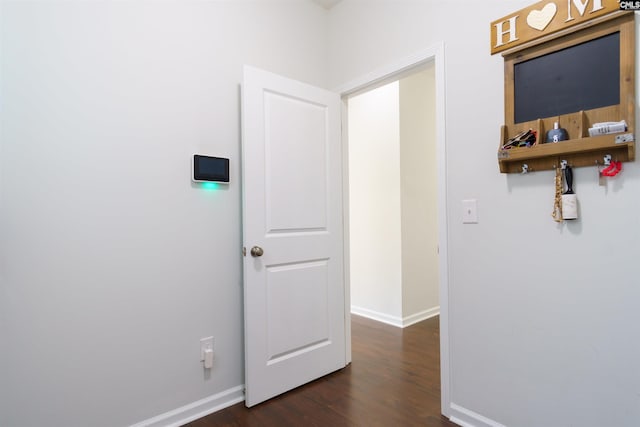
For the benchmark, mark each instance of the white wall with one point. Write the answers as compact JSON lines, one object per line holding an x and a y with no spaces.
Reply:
{"x":374,"y":202}
{"x":418,"y":193}
{"x":542,"y":316}
{"x":112,"y":264}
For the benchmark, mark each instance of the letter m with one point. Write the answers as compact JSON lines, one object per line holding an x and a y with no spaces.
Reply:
{"x":582,"y":7}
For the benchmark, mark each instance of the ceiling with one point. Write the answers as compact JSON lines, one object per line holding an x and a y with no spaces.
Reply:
{"x":327,"y":4}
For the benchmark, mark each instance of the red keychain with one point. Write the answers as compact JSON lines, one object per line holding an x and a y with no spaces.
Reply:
{"x":613,"y":169}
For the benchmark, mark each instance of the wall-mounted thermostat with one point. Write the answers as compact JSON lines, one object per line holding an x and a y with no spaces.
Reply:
{"x":207,"y":169}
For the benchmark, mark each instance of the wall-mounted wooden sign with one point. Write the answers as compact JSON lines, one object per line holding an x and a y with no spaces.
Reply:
{"x":544,"y":18}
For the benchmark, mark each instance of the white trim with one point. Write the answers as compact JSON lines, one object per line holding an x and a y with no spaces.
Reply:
{"x":443,"y":229}
{"x":466,"y":418}
{"x":346,"y":255}
{"x":198,"y":409}
{"x":376,"y":315}
{"x":420,"y":316}
{"x":390,"y":71}
{"x":400,"y":322}
{"x":368,"y":81}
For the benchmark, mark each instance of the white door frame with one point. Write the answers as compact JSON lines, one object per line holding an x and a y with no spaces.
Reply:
{"x":388,"y":73}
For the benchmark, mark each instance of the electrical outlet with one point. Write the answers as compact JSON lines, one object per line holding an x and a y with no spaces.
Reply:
{"x":205,"y":344}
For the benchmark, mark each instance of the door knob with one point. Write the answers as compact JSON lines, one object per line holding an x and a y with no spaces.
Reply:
{"x":256,"y":251}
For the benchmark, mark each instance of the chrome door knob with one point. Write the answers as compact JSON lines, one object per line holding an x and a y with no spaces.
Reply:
{"x":256,"y":251}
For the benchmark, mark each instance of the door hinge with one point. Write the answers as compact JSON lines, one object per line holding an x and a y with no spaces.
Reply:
{"x":244,"y":251}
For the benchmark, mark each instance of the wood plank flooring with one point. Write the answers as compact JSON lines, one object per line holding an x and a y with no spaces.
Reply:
{"x":393,"y":380}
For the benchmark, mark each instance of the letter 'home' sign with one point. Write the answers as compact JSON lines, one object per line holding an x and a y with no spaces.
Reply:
{"x":544,"y":18}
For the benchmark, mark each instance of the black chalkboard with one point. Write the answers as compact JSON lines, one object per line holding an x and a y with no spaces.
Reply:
{"x":580,"y":77}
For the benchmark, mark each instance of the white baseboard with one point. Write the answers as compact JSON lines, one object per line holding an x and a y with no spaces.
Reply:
{"x":419,"y":317}
{"x":395,"y":320}
{"x":195,"y":410}
{"x":466,"y":418}
{"x":375,"y":315}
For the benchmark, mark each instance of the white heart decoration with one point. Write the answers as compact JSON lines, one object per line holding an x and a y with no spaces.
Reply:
{"x":539,"y":19}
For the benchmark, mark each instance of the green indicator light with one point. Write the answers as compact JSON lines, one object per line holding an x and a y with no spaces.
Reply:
{"x":210,"y":185}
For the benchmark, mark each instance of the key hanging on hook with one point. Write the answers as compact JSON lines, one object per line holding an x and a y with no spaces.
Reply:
{"x":614,"y":168}
{"x":601,"y":181}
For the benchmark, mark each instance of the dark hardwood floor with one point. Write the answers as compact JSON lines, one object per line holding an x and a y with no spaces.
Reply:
{"x":393,"y":380}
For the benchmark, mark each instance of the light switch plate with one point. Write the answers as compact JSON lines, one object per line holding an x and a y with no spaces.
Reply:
{"x":470,"y":211}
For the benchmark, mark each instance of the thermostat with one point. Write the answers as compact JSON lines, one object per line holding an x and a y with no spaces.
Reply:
{"x":208,"y":169}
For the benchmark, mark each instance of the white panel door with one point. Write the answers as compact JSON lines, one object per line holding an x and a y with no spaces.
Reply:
{"x":292,"y":219}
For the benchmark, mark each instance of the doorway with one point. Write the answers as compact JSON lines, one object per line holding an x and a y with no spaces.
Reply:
{"x":390,"y":73}
{"x":393,"y":190}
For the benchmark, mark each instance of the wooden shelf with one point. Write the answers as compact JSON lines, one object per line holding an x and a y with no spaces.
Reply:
{"x":581,"y":149}
{"x":577,"y":152}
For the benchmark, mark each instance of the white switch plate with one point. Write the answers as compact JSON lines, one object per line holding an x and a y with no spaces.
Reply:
{"x":205,"y":344}
{"x":470,"y":211}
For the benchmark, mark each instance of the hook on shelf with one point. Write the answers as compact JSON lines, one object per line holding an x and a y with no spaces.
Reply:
{"x":525,"y":168}
{"x":563,"y":164}
{"x":607,"y":160}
